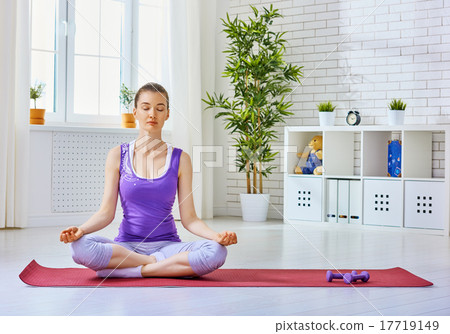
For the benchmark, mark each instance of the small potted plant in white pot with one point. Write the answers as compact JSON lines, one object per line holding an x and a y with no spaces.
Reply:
{"x":396,"y":112}
{"x":37,"y":115}
{"x":326,"y":113}
{"x":126,"y":100}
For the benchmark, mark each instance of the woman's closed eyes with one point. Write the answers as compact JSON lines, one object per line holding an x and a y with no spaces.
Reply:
{"x":158,"y":109}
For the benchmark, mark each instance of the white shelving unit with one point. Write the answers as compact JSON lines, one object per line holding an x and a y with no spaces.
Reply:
{"x":355,"y":188}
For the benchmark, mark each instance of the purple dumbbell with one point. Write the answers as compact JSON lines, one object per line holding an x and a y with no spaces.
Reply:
{"x":353,"y":277}
{"x":330,"y":276}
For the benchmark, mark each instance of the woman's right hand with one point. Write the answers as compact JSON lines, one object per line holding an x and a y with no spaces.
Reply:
{"x":71,"y":234}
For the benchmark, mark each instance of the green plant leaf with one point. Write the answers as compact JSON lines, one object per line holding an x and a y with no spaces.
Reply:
{"x":397,"y":104}
{"x":326,"y":106}
{"x":126,"y":96}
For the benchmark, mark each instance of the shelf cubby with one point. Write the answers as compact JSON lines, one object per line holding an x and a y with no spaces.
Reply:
{"x":338,"y":153}
{"x":297,"y":141}
{"x":375,"y":152}
{"x":417,"y":154}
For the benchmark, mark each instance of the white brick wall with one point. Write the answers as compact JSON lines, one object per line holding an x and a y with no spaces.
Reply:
{"x":360,"y":54}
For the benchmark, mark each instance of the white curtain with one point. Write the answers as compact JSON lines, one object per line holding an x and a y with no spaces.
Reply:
{"x":192,"y":72}
{"x":14,"y":94}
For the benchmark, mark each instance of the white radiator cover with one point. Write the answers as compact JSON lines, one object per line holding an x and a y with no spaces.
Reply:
{"x":78,"y":169}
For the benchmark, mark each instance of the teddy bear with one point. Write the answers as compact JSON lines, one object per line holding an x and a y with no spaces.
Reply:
{"x":313,"y":157}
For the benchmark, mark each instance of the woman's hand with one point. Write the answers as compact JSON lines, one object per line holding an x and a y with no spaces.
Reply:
{"x":71,"y":234}
{"x":226,"y":238}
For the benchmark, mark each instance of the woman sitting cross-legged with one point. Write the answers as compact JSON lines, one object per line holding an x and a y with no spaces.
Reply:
{"x":147,"y":173}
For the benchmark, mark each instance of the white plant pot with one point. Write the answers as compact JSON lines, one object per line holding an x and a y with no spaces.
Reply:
{"x":326,"y":118}
{"x":254,"y":207}
{"x":396,"y":117}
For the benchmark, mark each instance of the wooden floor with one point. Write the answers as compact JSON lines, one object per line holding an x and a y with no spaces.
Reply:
{"x":270,"y":244}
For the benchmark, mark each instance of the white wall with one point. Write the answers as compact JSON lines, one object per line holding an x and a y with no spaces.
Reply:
{"x":220,"y":135}
{"x":359,"y":54}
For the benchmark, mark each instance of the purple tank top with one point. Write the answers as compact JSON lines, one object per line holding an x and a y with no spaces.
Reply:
{"x":147,"y":203}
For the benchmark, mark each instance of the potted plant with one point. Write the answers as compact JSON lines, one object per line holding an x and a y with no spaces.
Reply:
{"x":326,"y":113}
{"x":260,"y":80}
{"x":396,"y":112}
{"x":126,"y":100}
{"x":37,"y":115}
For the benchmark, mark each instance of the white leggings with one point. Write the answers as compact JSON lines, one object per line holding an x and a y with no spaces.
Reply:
{"x":95,"y":252}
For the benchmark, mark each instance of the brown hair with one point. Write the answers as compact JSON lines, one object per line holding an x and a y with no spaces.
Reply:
{"x":151,"y":87}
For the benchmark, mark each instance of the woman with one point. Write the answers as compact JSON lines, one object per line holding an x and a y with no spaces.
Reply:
{"x":147,"y":173}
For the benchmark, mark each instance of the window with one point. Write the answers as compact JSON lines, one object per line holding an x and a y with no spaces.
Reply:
{"x":83,"y":50}
{"x":44,"y":50}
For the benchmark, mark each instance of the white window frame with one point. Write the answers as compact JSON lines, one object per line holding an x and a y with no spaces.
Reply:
{"x":100,"y":120}
{"x":61,"y":58}
{"x":58,"y":116}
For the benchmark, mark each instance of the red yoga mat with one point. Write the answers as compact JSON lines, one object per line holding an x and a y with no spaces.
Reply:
{"x":37,"y":275}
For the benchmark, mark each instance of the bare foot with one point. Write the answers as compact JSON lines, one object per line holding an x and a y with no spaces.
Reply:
{"x":152,"y":259}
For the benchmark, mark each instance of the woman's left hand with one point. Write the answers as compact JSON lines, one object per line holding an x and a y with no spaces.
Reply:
{"x":226,"y":238}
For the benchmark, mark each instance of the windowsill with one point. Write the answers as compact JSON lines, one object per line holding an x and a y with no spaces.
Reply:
{"x":80,"y":128}
{"x":61,"y":127}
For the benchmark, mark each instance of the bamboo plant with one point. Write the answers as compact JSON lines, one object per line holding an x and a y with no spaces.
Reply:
{"x":260,"y":80}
